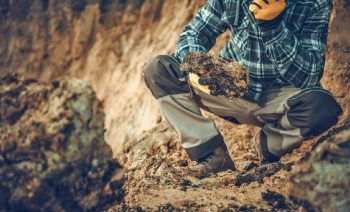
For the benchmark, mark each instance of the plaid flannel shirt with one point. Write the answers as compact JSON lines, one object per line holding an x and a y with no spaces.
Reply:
{"x":292,"y":53}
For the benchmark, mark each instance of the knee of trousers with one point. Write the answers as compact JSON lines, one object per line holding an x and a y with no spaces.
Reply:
{"x":163,"y":76}
{"x":313,"y":111}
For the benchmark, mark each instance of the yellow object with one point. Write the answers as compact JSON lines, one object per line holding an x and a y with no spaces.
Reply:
{"x":267,"y":10}
{"x":193,"y":78}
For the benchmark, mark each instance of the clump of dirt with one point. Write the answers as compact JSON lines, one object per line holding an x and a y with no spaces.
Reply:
{"x":224,"y":77}
{"x":276,"y":200}
{"x":53,"y":156}
{"x":322,"y":178}
{"x":259,"y":173}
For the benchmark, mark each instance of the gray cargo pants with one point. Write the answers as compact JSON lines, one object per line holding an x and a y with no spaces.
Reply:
{"x":287,"y":115}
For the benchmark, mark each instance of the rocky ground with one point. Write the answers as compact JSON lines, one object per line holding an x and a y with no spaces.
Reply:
{"x":158,"y":177}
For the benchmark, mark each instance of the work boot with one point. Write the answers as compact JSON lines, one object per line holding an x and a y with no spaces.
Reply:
{"x":215,"y":162}
{"x":259,"y":144}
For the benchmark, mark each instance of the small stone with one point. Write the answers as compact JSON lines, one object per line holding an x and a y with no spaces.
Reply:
{"x":159,"y":119}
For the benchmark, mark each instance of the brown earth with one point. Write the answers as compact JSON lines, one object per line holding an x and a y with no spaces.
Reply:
{"x":53,"y":156}
{"x":158,"y":177}
{"x":106,"y":43}
{"x":321,"y":178}
{"x":218,"y":76}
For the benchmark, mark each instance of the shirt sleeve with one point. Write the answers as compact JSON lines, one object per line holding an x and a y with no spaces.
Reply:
{"x":300,"y":58}
{"x":201,"y":33}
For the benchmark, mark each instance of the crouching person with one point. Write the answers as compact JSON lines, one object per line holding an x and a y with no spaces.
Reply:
{"x":284,"y":48}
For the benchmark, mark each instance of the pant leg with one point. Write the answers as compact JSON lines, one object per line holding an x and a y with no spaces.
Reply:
{"x":292,"y":116}
{"x":238,"y":112}
{"x":198,"y":134}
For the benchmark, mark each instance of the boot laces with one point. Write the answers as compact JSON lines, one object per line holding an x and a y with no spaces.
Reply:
{"x":206,"y":158}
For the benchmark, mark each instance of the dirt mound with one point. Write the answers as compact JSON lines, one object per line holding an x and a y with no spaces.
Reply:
{"x":53,"y":155}
{"x":322,"y":178}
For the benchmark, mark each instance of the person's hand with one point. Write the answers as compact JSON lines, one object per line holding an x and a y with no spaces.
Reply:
{"x":197,"y":83}
{"x":268,"y":13}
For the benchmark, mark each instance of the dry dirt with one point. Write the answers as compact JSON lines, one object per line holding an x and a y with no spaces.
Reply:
{"x":106,"y":43}
{"x":158,"y":177}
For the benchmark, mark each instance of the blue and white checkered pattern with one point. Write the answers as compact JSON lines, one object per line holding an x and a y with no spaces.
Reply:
{"x":291,"y":53}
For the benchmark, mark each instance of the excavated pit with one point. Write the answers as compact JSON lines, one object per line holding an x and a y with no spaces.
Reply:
{"x":106,"y":43}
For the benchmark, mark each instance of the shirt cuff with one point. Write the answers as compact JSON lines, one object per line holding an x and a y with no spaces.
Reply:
{"x":182,"y":53}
